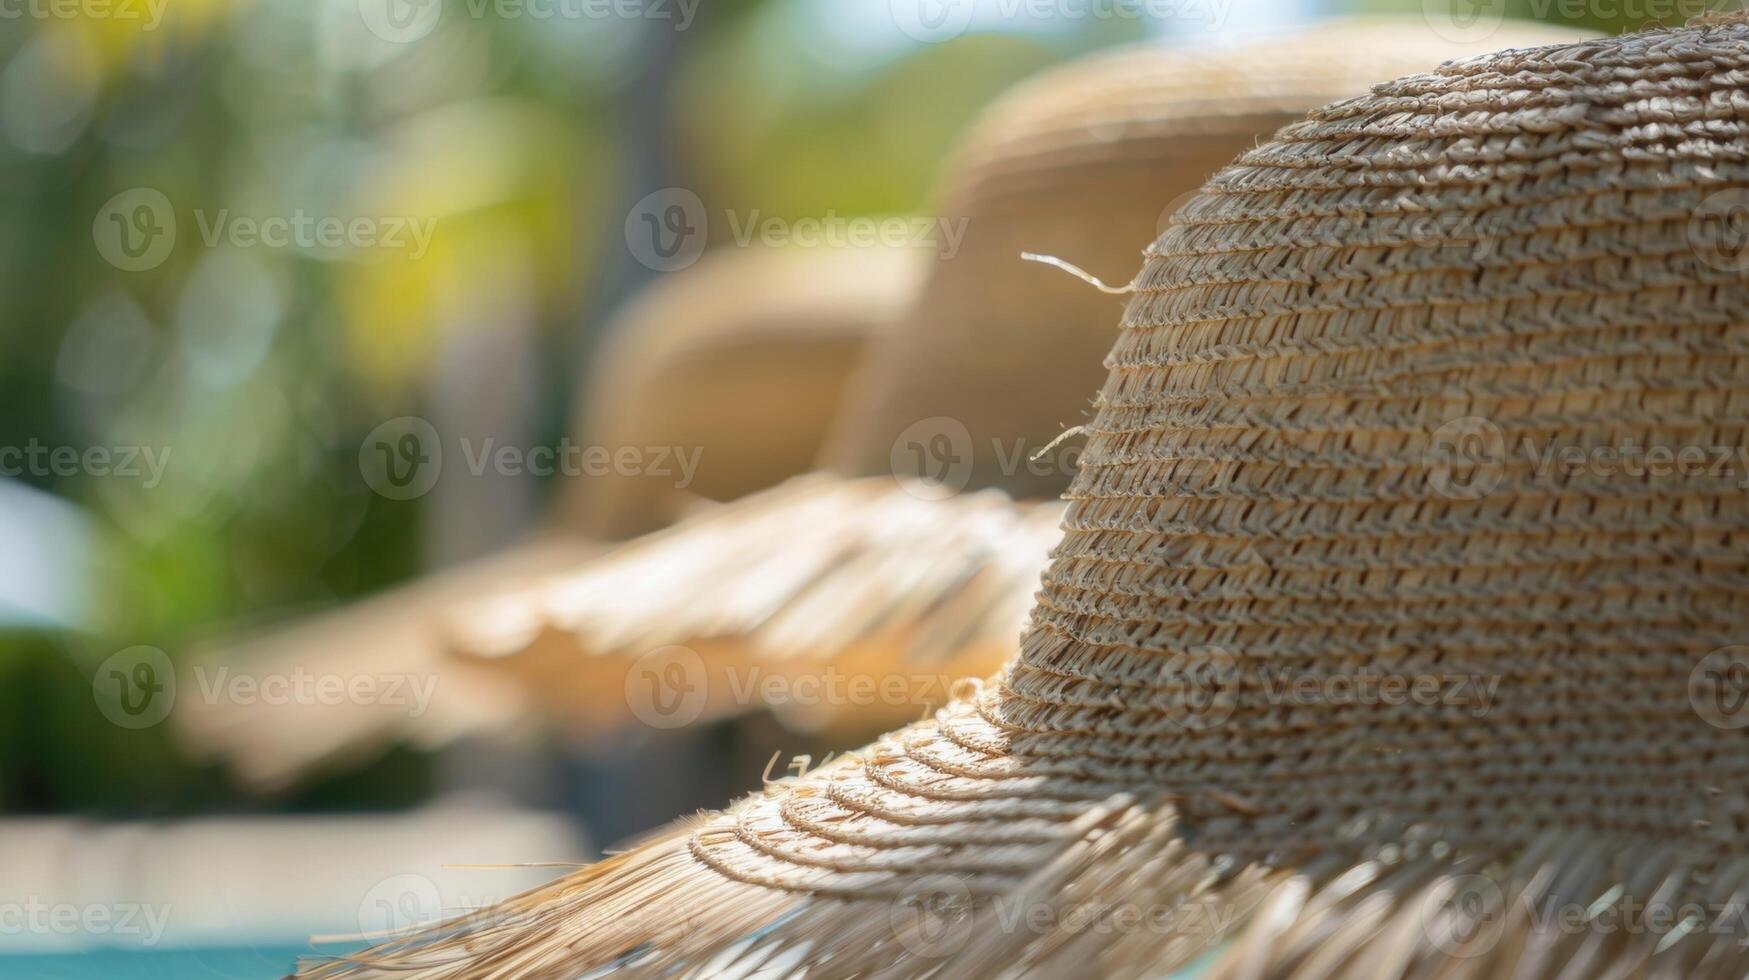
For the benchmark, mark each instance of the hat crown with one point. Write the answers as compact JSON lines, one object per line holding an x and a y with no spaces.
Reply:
{"x":1395,"y":501}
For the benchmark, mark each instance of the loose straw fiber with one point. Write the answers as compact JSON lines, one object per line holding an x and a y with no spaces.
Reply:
{"x":1085,"y":161}
{"x":1264,"y":490}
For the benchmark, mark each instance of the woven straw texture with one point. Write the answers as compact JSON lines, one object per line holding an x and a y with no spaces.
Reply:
{"x":1265,"y":494}
{"x":823,"y":573}
{"x":743,"y":359}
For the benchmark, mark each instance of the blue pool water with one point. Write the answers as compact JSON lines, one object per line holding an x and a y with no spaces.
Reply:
{"x":228,"y":963}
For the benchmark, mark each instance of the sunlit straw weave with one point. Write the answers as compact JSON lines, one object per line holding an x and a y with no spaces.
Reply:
{"x":1268,"y":488}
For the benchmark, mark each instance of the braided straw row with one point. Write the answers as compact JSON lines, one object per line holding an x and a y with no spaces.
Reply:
{"x":1272,"y":493}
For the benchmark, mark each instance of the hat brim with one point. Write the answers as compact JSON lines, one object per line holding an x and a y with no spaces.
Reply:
{"x":269,"y":744}
{"x":857,"y":603}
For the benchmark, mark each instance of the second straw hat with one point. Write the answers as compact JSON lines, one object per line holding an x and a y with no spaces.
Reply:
{"x":1386,"y":636}
{"x":688,"y":371}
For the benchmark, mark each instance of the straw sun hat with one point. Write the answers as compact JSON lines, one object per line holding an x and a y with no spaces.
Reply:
{"x":744,"y":359}
{"x":735,"y":360}
{"x":849,"y":576}
{"x":1533,"y":246}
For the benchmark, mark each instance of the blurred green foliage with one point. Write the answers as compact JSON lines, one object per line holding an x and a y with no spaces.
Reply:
{"x":261,"y":369}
